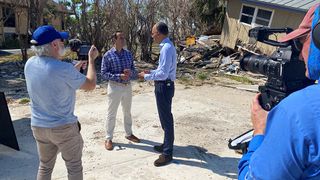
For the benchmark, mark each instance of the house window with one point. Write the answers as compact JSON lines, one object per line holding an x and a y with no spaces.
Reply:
{"x":247,"y":14}
{"x":9,"y":17}
{"x":263,"y":17}
{"x":255,"y":16}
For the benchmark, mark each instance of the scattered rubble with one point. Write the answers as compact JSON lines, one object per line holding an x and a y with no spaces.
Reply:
{"x":207,"y":53}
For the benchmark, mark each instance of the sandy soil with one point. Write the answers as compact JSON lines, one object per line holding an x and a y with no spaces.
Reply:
{"x":205,"y":118}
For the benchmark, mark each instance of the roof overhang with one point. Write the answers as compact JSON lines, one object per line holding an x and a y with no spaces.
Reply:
{"x":273,"y":5}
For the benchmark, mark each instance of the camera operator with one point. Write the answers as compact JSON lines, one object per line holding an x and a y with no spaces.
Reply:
{"x":52,"y":86}
{"x":286,"y":141}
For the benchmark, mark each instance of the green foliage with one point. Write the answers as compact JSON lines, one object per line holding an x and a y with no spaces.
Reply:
{"x":209,"y":12}
{"x":202,"y":76}
{"x":184,"y":79}
{"x":24,"y":101}
{"x":50,"y":11}
{"x":241,"y":79}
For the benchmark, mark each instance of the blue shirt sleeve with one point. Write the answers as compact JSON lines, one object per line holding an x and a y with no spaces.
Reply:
{"x":165,"y":62}
{"x":283,"y":151}
{"x":106,"y":70}
{"x":245,"y":160}
{"x":73,"y":77}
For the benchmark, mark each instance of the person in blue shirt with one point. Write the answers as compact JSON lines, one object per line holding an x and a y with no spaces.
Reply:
{"x":52,"y":85}
{"x":164,"y":77}
{"x":118,"y":68}
{"x":286,"y":142}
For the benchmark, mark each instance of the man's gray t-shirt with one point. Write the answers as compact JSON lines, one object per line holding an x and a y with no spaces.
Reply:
{"x":52,"y":86}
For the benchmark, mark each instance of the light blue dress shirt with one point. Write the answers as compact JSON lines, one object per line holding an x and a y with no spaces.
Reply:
{"x":167,"y":63}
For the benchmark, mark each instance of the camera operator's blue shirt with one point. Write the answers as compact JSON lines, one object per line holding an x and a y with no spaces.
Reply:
{"x":52,"y":86}
{"x":290,"y":148}
{"x":114,"y":63}
{"x":167,"y":63}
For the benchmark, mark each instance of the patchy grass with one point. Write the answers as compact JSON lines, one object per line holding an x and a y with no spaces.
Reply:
{"x":184,"y":79}
{"x":241,"y":79}
{"x":10,"y":58}
{"x":18,"y":57}
{"x":24,"y":101}
{"x":202,"y":76}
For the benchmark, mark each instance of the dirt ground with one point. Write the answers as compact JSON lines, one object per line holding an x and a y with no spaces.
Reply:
{"x":205,"y":118}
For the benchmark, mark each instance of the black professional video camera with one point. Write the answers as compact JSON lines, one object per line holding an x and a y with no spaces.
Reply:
{"x":285,"y":74}
{"x":81,"y":48}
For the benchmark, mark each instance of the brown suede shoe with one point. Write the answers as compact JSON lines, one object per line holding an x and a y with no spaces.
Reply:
{"x":162,"y":160}
{"x":108,"y":145}
{"x":133,"y":138}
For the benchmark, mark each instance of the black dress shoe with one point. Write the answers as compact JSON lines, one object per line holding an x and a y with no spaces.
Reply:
{"x":158,"y":148}
{"x":163,"y":160}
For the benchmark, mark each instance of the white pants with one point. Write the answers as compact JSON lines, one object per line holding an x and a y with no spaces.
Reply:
{"x":119,"y":93}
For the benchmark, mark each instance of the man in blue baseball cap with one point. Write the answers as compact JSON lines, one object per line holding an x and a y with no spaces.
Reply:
{"x":52,"y":86}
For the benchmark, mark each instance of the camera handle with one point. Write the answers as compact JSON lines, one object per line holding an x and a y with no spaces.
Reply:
{"x":81,"y":69}
{"x":262,"y":34}
{"x":270,"y":97}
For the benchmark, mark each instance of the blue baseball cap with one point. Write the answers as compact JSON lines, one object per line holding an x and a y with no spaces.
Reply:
{"x":46,"y":34}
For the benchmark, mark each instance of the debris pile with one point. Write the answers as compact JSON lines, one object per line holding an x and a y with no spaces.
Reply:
{"x":207,"y":53}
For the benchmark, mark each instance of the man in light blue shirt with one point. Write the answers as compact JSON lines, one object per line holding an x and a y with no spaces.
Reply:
{"x":167,"y":63}
{"x":52,"y":86}
{"x":164,"y":77}
{"x":286,"y":142}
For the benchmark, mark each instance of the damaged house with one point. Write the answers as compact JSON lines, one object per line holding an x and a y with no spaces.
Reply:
{"x":15,"y":18}
{"x":242,"y":15}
